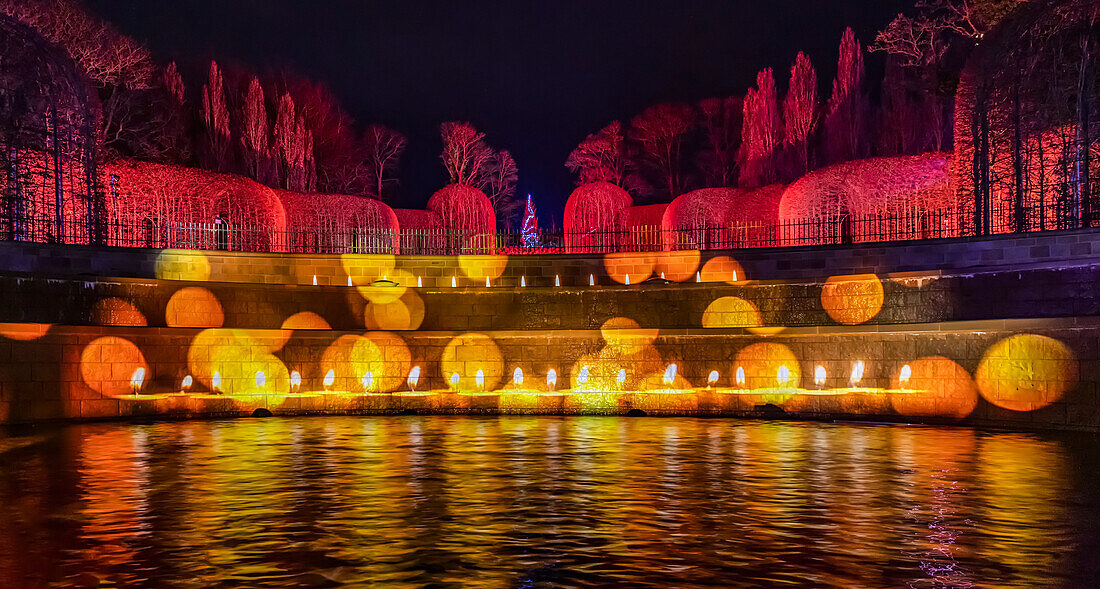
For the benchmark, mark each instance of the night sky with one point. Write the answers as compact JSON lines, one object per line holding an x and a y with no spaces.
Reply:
{"x":536,"y":77}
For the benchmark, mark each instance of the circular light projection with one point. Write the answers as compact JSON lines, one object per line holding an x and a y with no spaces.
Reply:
{"x":193,"y":306}
{"x":236,"y":356}
{"x":366,"y":268}
{"x":767,"y":366}
{"x":722,"y":269}
{"x":632,"y":267}
{"x":108,"y":364}
{"x":24,"y":332}
{"x":677,"y":266}
{"x":1026,"y":372}
{"x":468,"y":353}
{"x":383,"y":295}
{"x":182,"y":265}
{"x":731,"y":312}
{"x":935,"y":387}
{"x":481,"y":267}
{"x":406,"y":313}
{"x":305,"y":320}
{"x":853,"y":299}
{"x":385,"y":356}
{"x":624,"y":336}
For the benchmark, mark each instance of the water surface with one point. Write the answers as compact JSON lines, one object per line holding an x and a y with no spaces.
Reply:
{"x":545,"y":501}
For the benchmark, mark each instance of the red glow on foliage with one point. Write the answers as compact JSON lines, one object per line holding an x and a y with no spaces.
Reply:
{"x":597,"y":217}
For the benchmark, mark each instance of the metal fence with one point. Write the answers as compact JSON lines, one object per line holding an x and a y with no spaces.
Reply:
{"x":912,"y":224}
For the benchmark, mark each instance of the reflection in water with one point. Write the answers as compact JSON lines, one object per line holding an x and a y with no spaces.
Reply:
{"x":541,"y":501}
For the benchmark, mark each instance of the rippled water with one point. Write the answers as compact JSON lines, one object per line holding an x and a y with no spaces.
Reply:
{"x":545,"y":501}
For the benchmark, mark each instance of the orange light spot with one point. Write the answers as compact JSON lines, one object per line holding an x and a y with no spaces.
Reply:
{"x":624,"y":335}
{"x":1026,"y":372}
{"x":193,"y":306}
{"x":722,"y":269}
{"x":469,"y":353}
{"x":937,"y":387}
{"x":237,"y":355}
{"x":854,"y":299}
{"x":305,"y":320}
{"x":731,"y":312}
{"x":677,"y":266}
{"x":116,"y":311}
{"x":762,"y":364}
{"x":636,"y":265}
{"x":108,"y":364}
{"x":24,"y":332}
{"x":406,"y":313}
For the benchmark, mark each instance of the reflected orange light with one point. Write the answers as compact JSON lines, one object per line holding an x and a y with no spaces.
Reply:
{"x":236,"y":356}
{"x":621,"y":267}
{"x":305,"y":320}
{"x":853,"y":299}
{"x":934,"y":386}
{"x":1026,"y":372}
{"x":624,"y":335}
{"x":767,"y":364}
{"x":403,"y":314}
{"x":482,"y":267}
{"x":24,"y":332}
{"x":469,"y":353}
{"x":193,"y":306}
{"x":116,"y":311}
{"x":722,"y":269}
{"x":676,"y":266}
{"x":109,"y":365}
{"x":731,"y":312}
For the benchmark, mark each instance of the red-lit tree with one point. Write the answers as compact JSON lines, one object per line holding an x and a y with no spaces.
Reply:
{"x":294,"y":144}
{"x":659,"y":134}
{"x":761,"y":133}
{"x":466,"y":156}
{"x":846,"y":114}
{"x":216,"y":153}
{"x":174,"y":108}
{"x":256,"y":135}
{"x":601,"y":157}
{"x":800,"y":110}
{"x":721,"y":120}
{"x":382,"y":149}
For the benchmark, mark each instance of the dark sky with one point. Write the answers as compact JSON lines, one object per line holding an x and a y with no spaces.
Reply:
{"x":535,"y":76}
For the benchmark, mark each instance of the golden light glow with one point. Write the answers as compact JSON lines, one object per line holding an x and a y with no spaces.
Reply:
{"x":193,"y":306}
{"x":676,"y":266}
{"x":382,"y":354}
{"x":730,"y":312}
{"x":582,"y":376}
{"x":330,"y":378}
{"x":187,"y":383}
{"x":384,"y":295}
{"x":517,"y":377}
{"x":551,"y":379}
{"x":479,"y":379}
{"x":740,"y":376}
{"x":403,"y":314}
{"x":261,"y":380}
{"x":368,"y":381}
{"x":366,"y":268}
{"x":116,"y":311}
{"x":620,"y":378}
{"x":216,"y":382}
{"x":187,"y":265}
{"x":109,"y":364}
{"x":236,"y":356}
{"x":483,"y":267}
{"x":24,"y":332}
{"x":625,"y":336}
{"x":454,"y":379}
{"x":414,"y":377}
{"x":933,"y":386}
{"x":621,"y":265}
{"x":305,"y":320}
{"x":469,"y":353}
{"x":853,"y":299}
{"x":819,"y":376}
{"x":766,"y":364}
{"x":487,"y":283}
{"x":1026,"y":372}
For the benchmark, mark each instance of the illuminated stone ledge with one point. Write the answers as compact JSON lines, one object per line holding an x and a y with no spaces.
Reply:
{"x":1023,"y":374}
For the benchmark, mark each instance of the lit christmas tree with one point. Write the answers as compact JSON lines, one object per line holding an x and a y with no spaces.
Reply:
{"x":530,"y":225}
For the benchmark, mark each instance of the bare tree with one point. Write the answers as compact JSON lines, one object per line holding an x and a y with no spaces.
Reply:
{"x":845,"y":121}
{"x":465,"y":153}
{"x":500,"y":186}
{"x":382,"y":149}
{"x":256,"y":134}
{"x":660,"y":132}
{"x":215,"y":118}
{"x":721,"y":120}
